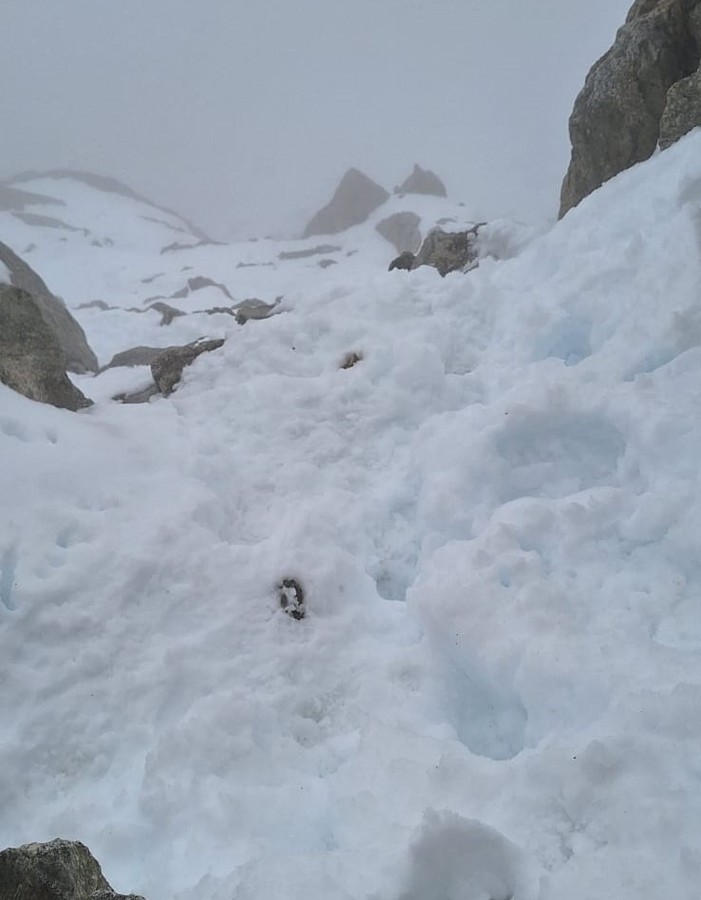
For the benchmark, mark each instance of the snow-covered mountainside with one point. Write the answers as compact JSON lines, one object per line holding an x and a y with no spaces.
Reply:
{"x":493,"y":514}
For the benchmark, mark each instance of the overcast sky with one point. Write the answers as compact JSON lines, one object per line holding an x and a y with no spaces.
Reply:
{"x":243,"y":114}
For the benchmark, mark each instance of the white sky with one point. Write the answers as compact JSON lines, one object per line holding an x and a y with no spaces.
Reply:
{"x":243,"y":114}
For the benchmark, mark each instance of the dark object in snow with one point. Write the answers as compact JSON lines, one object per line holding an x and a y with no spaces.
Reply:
{"x":71,"y":338}
{"x":403,"y":261}
{"x":31,"y":360}
{"x":254,"y":308}
{"x":642,"y":90}
{"x":291,"y":597}
{"x":135,"y":356}
{"x":350,"y":359}
{"x":57,"y":870}
{"x":449,"y":251}
{"x":167,"y":368}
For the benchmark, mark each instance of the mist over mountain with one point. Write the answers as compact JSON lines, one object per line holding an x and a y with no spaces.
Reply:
{"x":243,"y":115}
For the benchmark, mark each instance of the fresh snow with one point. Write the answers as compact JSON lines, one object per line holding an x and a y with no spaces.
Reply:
{"x":494,"y":514}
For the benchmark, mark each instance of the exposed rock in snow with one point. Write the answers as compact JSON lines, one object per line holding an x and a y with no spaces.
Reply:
{"x":135,"y":356}
{"x":167,"y":367}
{"x":70,"y":336}
{"x":56,"y":870}
{"x":254,"y":308}
{"x":402,"y":230}
{"x":31,"y":360}
{"x":354,"y":199}
{"x":615,"y":122}
{"x":448,"y":251}
{"x":311,"y":251}
{"x":422,"y":181}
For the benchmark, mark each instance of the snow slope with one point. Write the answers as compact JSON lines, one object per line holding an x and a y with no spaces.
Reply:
{"x":494,"y":514}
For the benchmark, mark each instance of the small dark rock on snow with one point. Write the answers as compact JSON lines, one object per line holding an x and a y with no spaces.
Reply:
{"x":291,"y":596}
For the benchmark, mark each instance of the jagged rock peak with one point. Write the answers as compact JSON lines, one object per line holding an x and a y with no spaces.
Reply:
{"x":56,"y":870}
{"x":643,"y":90}
{"x":355,"y":198}
{"x":422,"y":181}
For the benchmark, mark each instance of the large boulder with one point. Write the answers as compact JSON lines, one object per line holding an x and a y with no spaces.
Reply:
{"x":356,"y":197}
{"x":402,"y":230}
{"x":70,"y":336}
{"x":31,"y":359}
{"x":422,"y":181}
{"x":57,"y":870}
{"x":617,"y":116}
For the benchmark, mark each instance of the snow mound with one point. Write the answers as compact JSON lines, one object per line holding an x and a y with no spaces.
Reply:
{"x":493,"y":516}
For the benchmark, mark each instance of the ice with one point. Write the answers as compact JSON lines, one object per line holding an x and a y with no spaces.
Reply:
{"x":494,"y":516}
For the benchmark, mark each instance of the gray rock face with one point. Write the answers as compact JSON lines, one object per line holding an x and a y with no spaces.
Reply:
{"x":448,"y":251}
{"x":355,"y":198}
{"x":682,"y":111}
{"x":57,"y":870}
{"x":402,"y":231}
{"x":616,"y":118}
{"x":254,"y":309}
{"x":31,"y":360}
{"x":71,"y":337}
{"x":422,"y":181}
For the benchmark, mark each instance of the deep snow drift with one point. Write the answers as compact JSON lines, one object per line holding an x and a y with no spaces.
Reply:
{"x":495,"y":515}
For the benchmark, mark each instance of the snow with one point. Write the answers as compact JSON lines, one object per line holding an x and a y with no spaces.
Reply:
{"x":494,"y":515}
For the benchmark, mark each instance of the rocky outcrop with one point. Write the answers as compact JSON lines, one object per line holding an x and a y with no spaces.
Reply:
{"x":135,"y":356}
{"x":57,"y":870}
{"x":70,"y":336}
{"x":402,"y":230}
{"x":639,"y":92}
{"x":167,"y":366}
{"x":422,"y":181}
{"x":448,"y":251}
{"x":31,"y":359}
{"x":356,"y":197}
{"x":682,"y":110}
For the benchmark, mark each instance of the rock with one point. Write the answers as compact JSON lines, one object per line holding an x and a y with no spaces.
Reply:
{"x":448,"y":251}
{"x":168,"y":366}
{"x":57,"y":870}
{"x":616,"y":118}
{"x":197,"y":283}
{"x":325,"y":263}
{"x":422,"y":181}
{"x":254,"y":308}
{"x":135,"y":356}
{"x":31,"y":359}
{"x":168,"y":312}
{"x":402,"y":230}
{"x":405,"y":261}
{"x":312,"y":251}
{"x":291,"y":596}
{"x":351,"y":359}
{"x":682,"y":111}
{"x":355,"y":198}
{"x":70,"y":336}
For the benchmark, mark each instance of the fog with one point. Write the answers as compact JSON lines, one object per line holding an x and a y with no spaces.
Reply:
{"x":243,"y":114}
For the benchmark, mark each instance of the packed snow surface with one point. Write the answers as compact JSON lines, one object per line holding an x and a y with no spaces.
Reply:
{"x":495,"y":517}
